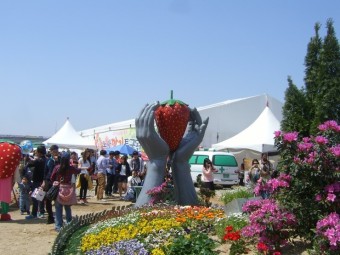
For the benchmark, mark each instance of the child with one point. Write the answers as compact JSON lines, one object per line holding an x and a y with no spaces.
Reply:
{"x":24,"y":195}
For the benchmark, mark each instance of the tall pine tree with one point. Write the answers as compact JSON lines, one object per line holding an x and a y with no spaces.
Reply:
{"x":312,"y":63}
{"x":319,"y":99}
{"x":327,"y":104}
{"x":295,"y":110}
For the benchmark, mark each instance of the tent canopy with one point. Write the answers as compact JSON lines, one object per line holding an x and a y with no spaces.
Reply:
{"x":259,"y":136}
{"x":67,"y":137}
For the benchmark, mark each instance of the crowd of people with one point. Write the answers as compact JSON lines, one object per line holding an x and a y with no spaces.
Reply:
{"x":111,"y":173}
{"x":259,"y":171}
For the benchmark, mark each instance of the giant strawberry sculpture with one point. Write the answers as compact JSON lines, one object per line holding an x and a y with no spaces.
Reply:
{"x":172,"y":117}
{"x":10,"y":155}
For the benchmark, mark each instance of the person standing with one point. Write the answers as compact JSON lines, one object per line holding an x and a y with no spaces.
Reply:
{"x":62,"y":174}
{"x":254,"y":173}
{"x":208,"y":174}
{"x":84,"y":164}
{"x":136,"y":163}
{"x":47,"y":184}
{"x":123,"y":171}
{"x":74,"y":159}
{"x":102,"y":165}
{"x":24,"y":195}
{"x":266,"y":167}
{"x":208,"y":181}
{"x":38,"y":166}
{"x":266,"y":170}
{"x":241,"y":172}
{"x":115,"y":181}
{"x":111,"y":174}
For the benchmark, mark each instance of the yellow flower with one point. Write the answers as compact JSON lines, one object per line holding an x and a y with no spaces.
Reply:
{"x":157,"y":251}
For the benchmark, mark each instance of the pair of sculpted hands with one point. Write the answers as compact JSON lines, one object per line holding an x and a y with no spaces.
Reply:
{"x":158,"y":152}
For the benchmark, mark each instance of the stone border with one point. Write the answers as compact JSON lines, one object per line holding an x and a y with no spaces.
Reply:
{"x":84,"y":220}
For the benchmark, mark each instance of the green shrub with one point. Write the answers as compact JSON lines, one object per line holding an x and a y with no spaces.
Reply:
{"x":193,"y":244}
{"x":230,"y":195}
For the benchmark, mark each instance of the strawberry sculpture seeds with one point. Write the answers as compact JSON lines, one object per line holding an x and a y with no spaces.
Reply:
{"x":172,"y":117}
{"x":10,"y":155}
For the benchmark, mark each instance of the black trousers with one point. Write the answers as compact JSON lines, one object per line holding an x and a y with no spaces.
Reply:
{"x":109,"y":183}
{"x":83,"y":186}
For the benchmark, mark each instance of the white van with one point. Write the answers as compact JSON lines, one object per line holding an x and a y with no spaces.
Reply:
{"x":224,"y":162}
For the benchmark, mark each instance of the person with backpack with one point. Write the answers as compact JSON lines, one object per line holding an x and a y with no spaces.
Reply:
{"x":62,"y":176}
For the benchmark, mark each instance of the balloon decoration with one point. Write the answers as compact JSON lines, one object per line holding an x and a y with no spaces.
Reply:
{"x":26,"y":146}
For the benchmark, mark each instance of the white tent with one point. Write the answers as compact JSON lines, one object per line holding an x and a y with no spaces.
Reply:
{"x":259,"y":136}
{"x":67,"y":137}
{"x":228,"y":118}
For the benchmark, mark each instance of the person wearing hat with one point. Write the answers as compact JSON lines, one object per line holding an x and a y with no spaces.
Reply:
{"x":38,"y":164}
{"x":47,"y":184}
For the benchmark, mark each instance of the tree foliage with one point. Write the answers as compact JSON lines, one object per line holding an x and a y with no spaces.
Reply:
{"x":295,"y":109}
{"x":327,"y":105}
{"x":318,"y":100}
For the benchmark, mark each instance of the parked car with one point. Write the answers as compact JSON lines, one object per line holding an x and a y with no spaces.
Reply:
{"x":224,"y":162}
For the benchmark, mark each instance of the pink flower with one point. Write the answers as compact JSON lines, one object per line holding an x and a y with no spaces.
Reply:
{"x":296,"y":160}
{"x":331,"y":197}
{"x":277,"y":134}
{"x":305,"y":146}
{"x":329,"y":228}
{"x":330,"y":124}
{"x":335,"y":150}
{"x":321,"y":140}
{"x":318,"y":197}
{"x":306,"y":139}
{"x":322,"y":127}
{"x":290,"y":137}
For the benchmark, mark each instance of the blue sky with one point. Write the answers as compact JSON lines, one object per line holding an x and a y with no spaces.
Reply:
{"x":99,"y":62}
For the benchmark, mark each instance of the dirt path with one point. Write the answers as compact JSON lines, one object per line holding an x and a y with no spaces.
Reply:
{"x":20,"y":236}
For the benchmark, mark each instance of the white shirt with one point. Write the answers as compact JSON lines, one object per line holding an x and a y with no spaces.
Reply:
{"x":83,"y":166}
{"x":123,"y":170}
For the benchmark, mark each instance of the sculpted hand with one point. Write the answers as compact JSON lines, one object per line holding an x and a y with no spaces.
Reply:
{"x":156,"y":149}
{"x":184,"y":188}
{"x":194,"y":136}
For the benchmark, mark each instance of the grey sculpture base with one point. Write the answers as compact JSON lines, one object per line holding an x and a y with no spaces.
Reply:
{"x":235,"y":206}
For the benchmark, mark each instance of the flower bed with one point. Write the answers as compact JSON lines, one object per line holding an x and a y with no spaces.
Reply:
{"x":161,"y":229}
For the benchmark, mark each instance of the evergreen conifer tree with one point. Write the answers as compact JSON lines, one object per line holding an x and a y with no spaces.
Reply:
{"x":327,"y":103}
{"x":295,"y":110}
{"x":312,"y":63}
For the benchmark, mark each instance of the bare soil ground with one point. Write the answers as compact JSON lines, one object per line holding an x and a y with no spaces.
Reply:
{"x":20,"y":236}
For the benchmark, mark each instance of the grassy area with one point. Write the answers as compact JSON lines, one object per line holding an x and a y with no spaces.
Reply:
{"x":239,"y":192}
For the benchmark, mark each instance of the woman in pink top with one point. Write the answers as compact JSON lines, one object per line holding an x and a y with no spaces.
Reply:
{"x":208,"y":174}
